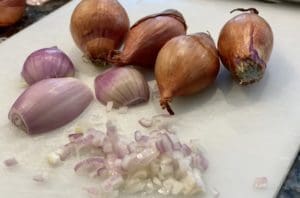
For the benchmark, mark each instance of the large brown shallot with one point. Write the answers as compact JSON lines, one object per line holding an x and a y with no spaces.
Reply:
{"x":98,"y":26}
{"x":245,"y":45}
{"x":147,"y":36}
{"x":185,"y":65}
{"x":49,"y":104}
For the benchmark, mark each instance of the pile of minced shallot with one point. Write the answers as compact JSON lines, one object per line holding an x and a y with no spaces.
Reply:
{"x":154,"y":162}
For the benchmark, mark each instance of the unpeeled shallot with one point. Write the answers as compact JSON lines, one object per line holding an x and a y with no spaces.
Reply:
{"x":185,"y":65}
{"x":147,"y":36}
{"x":99,"y":26}
{"x":245,"y":45}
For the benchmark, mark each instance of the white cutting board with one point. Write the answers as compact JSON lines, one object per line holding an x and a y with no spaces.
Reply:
{"x":246,"y":131}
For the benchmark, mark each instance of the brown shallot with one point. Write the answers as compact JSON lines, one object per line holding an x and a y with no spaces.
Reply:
{"x":147,"y":36}
{"x":245,"y":45}
{"x":185,"y":65}
{"x":98,"y":26}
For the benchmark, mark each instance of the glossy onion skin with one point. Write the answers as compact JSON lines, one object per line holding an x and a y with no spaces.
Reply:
{"x":49,"y":104}
{"x":47,"y":63}
{"x":148,"y":35}
{"x":98,"y":26}
{"x":245,"y":45}
{"x":11,"y":11}
{"x":186,"y":65}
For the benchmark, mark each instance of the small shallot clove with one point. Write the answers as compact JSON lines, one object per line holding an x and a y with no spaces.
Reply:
{"x":99,"y":26}
{"x":47,"y":63}
{"x":147,"y":36}
{"x":185,"y":65}
{"x":49,"y":104}
{"x":245,"y":45}
{"x":124,"y":86}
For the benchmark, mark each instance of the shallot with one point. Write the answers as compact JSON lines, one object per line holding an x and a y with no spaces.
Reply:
{"x":147,"y":36}
{"x":49,"y":104}
{"x":185,"y":65}
{"x":99,"y":26}
{"x":124,"y":86}
{"x":10,"y":162}
{"x":245,"y":45}
{"x":47,"y":63}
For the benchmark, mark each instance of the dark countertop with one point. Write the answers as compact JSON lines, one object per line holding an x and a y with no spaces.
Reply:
{"x":291,"y":186}
{"x":32,"y":14}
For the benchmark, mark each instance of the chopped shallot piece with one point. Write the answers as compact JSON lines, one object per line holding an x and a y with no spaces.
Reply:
{"x":260,"y":182}
{"x":140,"y":137}
{"x":147,"y":123}
{"x":109,"y":106}
{"x":72,"y":137}
{"x":41,"y":177}
{"x":53,"y":159}
{"x":186,"y":150}
{"x":123,"y":110}
{"x":60,"y":154}
{"x":112,"y":183}
{"x":199,"y":161}
{"x":152,"y":162}
{"x":91,"y":164}
{"x":10,"y":162}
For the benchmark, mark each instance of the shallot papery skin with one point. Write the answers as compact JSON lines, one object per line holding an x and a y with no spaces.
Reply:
{"x":99,"y":26}
{"x":49,"y":104}
{"x":47,"y":63}
{"x":124,"y":86}
{"x":11,"y":11}
{"x":186,"y":65}
{"x":245,"y":45}
{"x":147,"y":36}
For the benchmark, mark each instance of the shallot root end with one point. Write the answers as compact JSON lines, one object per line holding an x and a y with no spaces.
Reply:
{"x":252,"y":10}
{"x":165,"y":105}
{"x":114,"y":57}
{"x":18,"y":121}
{"x":99,"y":62}
{"x":249,"y":71}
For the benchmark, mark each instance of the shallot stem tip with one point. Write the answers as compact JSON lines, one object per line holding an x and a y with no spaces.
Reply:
{"x":252,"y":10}
{"x":165,"y":105}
